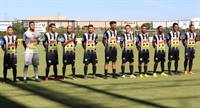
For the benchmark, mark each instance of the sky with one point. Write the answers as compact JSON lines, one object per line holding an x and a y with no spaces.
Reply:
{"x":102,"y":9}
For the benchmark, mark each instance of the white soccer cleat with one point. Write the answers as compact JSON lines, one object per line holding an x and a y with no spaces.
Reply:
{"x":123,"y":76}
{"x":132,"y":76}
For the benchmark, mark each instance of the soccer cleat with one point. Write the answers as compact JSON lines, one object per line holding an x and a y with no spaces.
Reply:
{"x":185,"y":72}
{"x":63,"y":79}
{"x":94,"y":77}
{"x":141,"y":76}
{"x":73,"y":78}
{"x":154,"y":74}
{"x":176,"y":73}
{"x":163,"y":74}
{"x":115,"y":77}
{"x":4,"y":82}
{"x":14,"y":81}
{"x":56,"y":79}
{"x":85,"y":77}
{"x":37,"y":80}
{"x":132,"y":76}
{"x":105,"y":77}
{"x":169,"y":73}
{"x":123,"y":76}
{"x":25,"y":81}
{"x":190,"y":72}
{"x":46,"y":79}
{"x":145,"y":75}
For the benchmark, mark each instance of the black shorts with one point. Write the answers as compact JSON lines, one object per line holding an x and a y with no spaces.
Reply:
{"x":10,"y":62}
{"x":159,"y":57}
{"x":127,"y":57}
{"x":143,"y":58}
{"x":51,"y":59}
{"x":110,"y":55}
{"x":173,"y":55}
{"x":189,"y":54}
{"x":90,"y":58}
{"x":68,"y":59}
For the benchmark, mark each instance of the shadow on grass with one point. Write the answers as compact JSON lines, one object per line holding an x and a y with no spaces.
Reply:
{"x":131,"y":99}
{"x":55,"y":96}
{"x":5,"y":102}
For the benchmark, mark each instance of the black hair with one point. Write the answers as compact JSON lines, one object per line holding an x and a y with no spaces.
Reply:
{"x":90,"y":26}
{"x":9,"y":27}
{"x":159,"y":27}
{"x":112,"y":22}
{"x":127,"y":26}
{"x":31,"y":22}
{"x":174,"y":24}
{"x":52,"y":24}
{"x":143,"y":25}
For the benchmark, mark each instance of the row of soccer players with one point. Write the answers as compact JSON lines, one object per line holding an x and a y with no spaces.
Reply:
{"x":31,"y":39}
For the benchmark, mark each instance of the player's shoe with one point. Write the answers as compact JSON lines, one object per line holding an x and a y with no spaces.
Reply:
{"x":105,"y":77}
{"x":56,"y":79}
{"x":169,"y":74}
{"x":145,"y":75}
{"x":177,"y":73}
{"x":25,"y":81}
{"x":37,"y":80}
{"x":46,"y":79}
{"x":94,"y":77}
{"x":85,"y":77}
{"x":163,"y":74}
{"x":73,"y":78}
{"x":115,"y":77}
{"x":123,"y":76}
{"x":185,"y":72}
{"x":4,"y":82}
{"x":132,"y":76}
{"x":14,"y":81}
{"x":190,"y":72}
{"x":141,"y":76}
{"x":154,"y":74}
{"x":63,"y":79}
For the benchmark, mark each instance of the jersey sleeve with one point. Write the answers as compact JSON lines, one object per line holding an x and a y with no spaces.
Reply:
{"x":62,"y":39}
{"x":83,"y":38}
{"x":75,"y":39}
{"x":24,"y":37}
{"x":122,"y":38}
{"x":137,"y":39}
{"x":105,"y":35}
{"x":3,"y":41}
{"x":185,"y":37}
{"x":196,"y":38}
{"x":154,"y":39}
{"x":168,"y":37}
{"x":96,"y":39}
{"x":180,"y":37}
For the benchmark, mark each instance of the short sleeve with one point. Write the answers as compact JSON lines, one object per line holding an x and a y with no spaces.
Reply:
{"x":122,"y":38}
{"x":96,"y":39}
{"x":62,"y":39}
{"x":83,"y":38}
{"x":185,"y":36}
{"x":16,"y":40}
{"x":154,"y":39}
{"x":105,"y":35}
{"x":75,"y":39}
{"x":24,"y":37}
{"x":137,"y":39}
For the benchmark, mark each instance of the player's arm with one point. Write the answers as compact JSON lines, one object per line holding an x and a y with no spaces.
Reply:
{"x":67,"y":42}
{"x":168,"y":38}
{"x":121,"y":41}
{"x":75,"y":41}
{"x":96,"y":40}
{"x":196,"y":38}
{"x":104,"y":39}
{"x":3,"y":45}
{"x":38,"y":38}
{"x":16,"y":42}
{"x":184,"y":39}
{"x":24,"y":40}
{"x":44,"y":41}
{"x":154,"y":42}
{"x":137,"y":42}
{"x":83,"y":41}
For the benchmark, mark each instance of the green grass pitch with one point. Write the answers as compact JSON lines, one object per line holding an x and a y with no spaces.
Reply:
{"x":176,"y":91}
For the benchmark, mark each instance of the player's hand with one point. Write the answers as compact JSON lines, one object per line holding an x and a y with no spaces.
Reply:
{"x":71,"y":39}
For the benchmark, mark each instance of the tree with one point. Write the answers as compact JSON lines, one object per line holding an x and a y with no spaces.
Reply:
{"x":148,"y":25}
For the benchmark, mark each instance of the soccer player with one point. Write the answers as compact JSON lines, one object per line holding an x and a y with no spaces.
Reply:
{"x":10,"y":53}
{"x":159,"y":55}
{"x":31,"y":39}
{"x":69,"y":42}
{"x":110,"y":43}
{"x":189,"y":41}
{"x":126,"y":43}
{"x":173,"y":44}
{"x":89,"y":42}
{"x":142,"y":44}
{"x":50,"y":43}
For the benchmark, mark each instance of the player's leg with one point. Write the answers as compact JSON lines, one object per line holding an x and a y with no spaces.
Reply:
{"x":186,"y":62}
{"x":86,"y":62}
{"x":73,"y":70}
{"x":170,"y":58}
{"x":14,"y":67}
{"x":176,"y":62}
{"x":156,"y":61}
{"x":123,"y":64}
{"x":114,"y":59}
{"x":191,"y":62}
{"x":107,"y":59}
{"x":35,"y":63}
{"x":146,"y":61}
{"x":27,"y":61}
{"x":47,"y":72}
{"x":131,"y":66}
{"x":94,"y":67}
{"x":55,"y":70}
{"x":162,"y":65}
